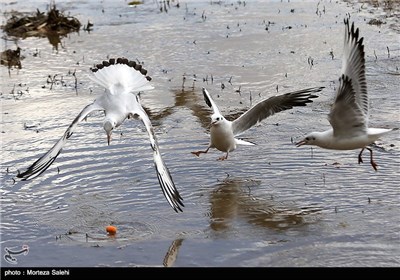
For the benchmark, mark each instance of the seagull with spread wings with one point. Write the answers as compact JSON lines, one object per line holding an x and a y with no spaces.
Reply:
{"x":122,"y":79}
{"x":223,"y":132}
{"x":349,"y":112}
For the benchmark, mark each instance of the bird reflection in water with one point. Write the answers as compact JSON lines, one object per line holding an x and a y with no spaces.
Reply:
{"x":189,"y":98}
{"x":192,"y":99}
{"x":232,"y":199}
{"x":172,"y":253}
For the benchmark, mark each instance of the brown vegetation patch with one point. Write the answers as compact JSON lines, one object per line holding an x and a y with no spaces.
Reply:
{"x":54,"y":23}
{"x":11,"y":58}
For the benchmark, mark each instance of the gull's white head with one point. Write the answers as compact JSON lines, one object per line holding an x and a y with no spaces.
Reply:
{"x":108,"y":125}
{"x":311,"y":139}
{"x":217,"y":119}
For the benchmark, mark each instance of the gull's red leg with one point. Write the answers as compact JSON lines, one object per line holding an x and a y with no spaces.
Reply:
{"x":359,"y":156}
{"x":374,"y":165}
{"x":223,"y":157}
{"x":200,"y":152}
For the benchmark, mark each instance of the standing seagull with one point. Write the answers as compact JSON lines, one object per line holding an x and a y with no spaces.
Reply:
{"x":349,"y":113}
{"x":223,"y":131}
{"x":121,"y":78}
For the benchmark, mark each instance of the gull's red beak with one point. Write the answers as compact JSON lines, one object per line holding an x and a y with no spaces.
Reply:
{"x":301,"y":143}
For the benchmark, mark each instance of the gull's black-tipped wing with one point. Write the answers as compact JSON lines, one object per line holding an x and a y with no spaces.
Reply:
{"x":349,"y":112}
{"x":164,"y":177}
{"x":39,"y":166}
{"x":210,"y":102}
{"x":346,"y":116}
{"x":273,"y":105}
{"x":353,"y":65}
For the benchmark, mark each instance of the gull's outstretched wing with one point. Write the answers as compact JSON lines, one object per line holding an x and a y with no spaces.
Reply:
{"x":210,"y":102}
{"x":273,"y":105}
{"x":39,"y":166}
{"x":353,"y":66}
{"x":349,"y":112}
{"x":164,"y":177}
{"x":346,"y":116}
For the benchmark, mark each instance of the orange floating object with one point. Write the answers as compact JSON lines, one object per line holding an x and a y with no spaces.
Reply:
{"x":111,"y":230}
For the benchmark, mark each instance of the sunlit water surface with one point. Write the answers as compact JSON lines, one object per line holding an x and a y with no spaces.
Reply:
{"x":272,"y":204}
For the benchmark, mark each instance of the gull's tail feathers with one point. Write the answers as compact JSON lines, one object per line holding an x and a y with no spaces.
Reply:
{"x":243,"y":142}
{"x":380,"y":131}
{"x":121,"y":76}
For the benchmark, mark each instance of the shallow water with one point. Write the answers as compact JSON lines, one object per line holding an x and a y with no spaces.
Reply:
{"x":267,"y":205}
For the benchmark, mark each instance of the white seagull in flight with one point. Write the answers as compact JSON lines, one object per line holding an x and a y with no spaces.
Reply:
{"x":223,"y":132}
{"x":349,"y":113}
{"x":122,"y":78}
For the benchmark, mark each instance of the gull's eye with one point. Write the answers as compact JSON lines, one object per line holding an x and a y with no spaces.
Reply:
{"x":313,"y":138}
{"x":307,"y":138}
